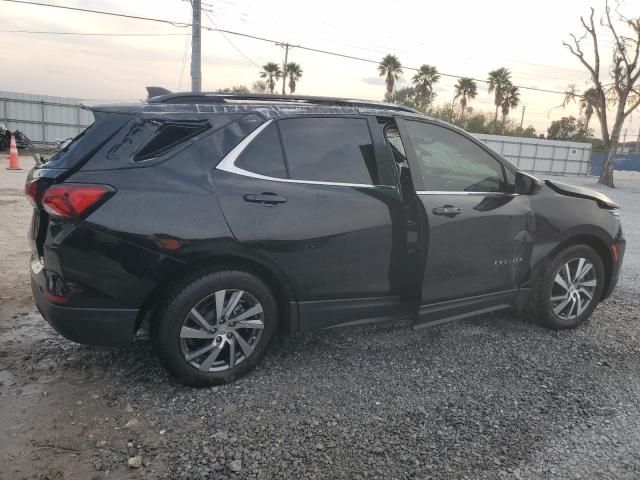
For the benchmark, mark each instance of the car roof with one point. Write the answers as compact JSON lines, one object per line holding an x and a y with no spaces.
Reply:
{"x":270,"y":105}
{"x":230,"y":98}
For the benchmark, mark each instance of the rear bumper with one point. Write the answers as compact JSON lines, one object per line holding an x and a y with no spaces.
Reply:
{"x":89,"y":326}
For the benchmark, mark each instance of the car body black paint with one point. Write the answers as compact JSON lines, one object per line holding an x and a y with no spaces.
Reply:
{"x":581,"y":192}
{"x":336,"y":254}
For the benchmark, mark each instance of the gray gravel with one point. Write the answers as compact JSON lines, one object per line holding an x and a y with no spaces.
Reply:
{"x":491,"y":397}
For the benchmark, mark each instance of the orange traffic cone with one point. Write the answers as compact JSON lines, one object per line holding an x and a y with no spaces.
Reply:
{"x":14,"y":158}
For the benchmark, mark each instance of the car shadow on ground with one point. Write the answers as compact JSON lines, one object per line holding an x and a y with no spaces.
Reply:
{"x":369,"y":347}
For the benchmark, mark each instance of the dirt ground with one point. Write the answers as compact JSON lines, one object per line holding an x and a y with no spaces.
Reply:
{"x":488,"y":398}
{"x":56,"y":417}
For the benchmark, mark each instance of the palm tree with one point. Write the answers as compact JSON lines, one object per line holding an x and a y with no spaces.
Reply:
{"x":569,"y":95}
{"x":424,"y":81}
{"x":294,"y":73}
{"x":390,"y":68}
{"x":499,"y":81}
{"x":271,"y":71}
{"x":466,"y":89}
{"x":588,"y":101}
{"x":510,"y":99}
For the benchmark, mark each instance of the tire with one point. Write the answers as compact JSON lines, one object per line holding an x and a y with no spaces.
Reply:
{"x":547,"y":303}
{"x":196,"y":344}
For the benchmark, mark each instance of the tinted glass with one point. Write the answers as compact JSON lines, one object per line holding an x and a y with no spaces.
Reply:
{"x":264,"y":154}
{"x":169,"y":135}
{"x":450,"y":162}
{"x":330,"y":150}
{"x":83,"y":146}
{"x":395,"y":145}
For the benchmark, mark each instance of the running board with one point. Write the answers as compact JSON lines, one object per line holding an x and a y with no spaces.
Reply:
{"x":482,"y":311}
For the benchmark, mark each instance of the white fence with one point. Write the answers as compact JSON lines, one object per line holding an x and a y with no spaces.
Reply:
{"x":42,"y":118}
{"x":548,"y":157}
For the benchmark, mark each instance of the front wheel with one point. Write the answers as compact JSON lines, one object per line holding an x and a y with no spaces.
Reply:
{"x":215,"y":327}
{"x":568,"y":289}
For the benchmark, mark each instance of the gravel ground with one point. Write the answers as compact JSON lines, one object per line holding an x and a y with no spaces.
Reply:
{"x":485,"y":398}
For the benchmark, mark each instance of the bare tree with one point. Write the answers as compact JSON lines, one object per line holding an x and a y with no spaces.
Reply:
{"x":622,"y":94}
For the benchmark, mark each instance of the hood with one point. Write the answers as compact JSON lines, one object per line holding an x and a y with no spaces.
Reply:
{"x":579,"y":192}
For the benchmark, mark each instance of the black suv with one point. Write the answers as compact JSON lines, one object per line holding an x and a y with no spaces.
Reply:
{"x":223,"y":219}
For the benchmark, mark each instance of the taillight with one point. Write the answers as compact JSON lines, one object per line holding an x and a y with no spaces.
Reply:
{"x":34,"y":191}
{"x":73,"y":200}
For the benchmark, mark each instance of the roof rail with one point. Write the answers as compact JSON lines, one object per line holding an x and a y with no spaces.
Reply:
{"x":207,"y":97}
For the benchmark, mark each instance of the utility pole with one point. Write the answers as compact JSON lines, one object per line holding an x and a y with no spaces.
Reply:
{"x":284,"y":66}
{"x":286,"y":46}
{"x":638,"y":142}
{"x":196,"y":43}
{"x":522,"y":118}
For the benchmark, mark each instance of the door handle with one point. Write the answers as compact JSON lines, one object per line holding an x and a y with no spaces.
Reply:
{"x":447,"y":211}
{"x":265,"y":198}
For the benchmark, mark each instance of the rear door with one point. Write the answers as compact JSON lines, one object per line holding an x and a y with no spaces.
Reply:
{"x":478,"y":244}
{"x":308,"y":194}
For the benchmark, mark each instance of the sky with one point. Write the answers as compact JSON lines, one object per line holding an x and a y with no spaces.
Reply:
{"x":466,"y":38}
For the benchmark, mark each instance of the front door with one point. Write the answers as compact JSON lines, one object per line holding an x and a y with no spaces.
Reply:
{"x":478,"y":245}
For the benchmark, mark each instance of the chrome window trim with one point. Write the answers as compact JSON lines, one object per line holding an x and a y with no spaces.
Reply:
{"x":486,"y":194}
{"x":228,"y":164}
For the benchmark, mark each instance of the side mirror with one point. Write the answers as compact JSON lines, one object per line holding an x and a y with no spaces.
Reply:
{"x":527,"y":184}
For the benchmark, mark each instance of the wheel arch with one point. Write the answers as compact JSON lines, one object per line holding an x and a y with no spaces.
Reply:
{"x":599,"y":245}
{"x":276,"y":280}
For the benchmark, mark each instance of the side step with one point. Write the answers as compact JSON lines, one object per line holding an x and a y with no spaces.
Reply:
{"x":482,"y":311}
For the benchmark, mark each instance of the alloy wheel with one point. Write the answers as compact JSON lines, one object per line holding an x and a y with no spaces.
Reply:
{"x":222,"y":330}
{"x":573,"y":288}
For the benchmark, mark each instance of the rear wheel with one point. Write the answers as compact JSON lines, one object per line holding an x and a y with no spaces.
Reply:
{"x":215,"y":327}
{"x":569,"y":288}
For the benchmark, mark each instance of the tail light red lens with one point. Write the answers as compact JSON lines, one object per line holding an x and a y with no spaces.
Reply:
{"x":34,"y":191}
{"x":74,"y":201}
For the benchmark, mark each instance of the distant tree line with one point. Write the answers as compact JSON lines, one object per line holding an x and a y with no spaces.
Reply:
{"x":421,"y":96}
{"x":271,"y":72}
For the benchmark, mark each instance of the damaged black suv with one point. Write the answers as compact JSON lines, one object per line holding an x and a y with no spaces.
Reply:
{"x":224,"y":219}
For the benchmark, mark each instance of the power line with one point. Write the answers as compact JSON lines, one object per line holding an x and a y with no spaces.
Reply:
{"x":184,"y":59}
{"x":368,"y":60}
{"x":98,"y":34}
{"x":101,"y":12}
{"x":237,"y":49}
{"x":255,"y":37}
{"x":273,"y":16}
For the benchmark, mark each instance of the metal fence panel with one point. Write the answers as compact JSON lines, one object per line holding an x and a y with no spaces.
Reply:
{"x":44,"y":119}
{"x":629,"y":162}
{"x":541,"y":156}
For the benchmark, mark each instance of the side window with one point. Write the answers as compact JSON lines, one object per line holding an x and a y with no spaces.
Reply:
{"x":330,"y":150}
{"x":264,"y":154}
{"x":169,"y":135}
{"x":394,"y":142}
{"x":452,"y":163}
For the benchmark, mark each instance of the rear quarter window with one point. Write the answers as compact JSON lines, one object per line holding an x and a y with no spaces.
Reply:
{"x":264,"y":154}
{"x":168,"y":135}
{"x":145,"y":138}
